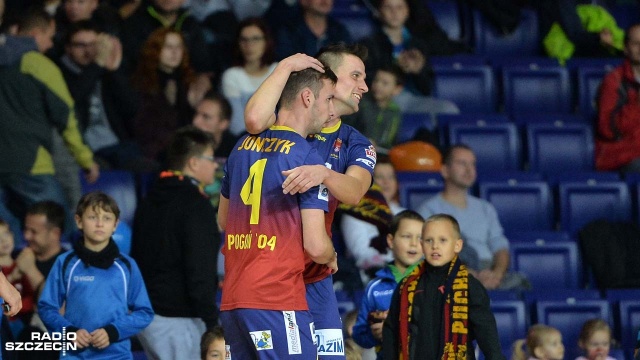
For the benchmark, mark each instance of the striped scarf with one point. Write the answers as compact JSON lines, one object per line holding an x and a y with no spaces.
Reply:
{"x":455,"y":311}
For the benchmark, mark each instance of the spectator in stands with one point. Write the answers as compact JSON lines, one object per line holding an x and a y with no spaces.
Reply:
{"x":43,"y":228}
{"x":403,"y":239}
{"x":104,"y":103}
{"x":543,"y":342}
{"x":175,"y":242}
{"x":487,"y":249}
{"x":213,"y":115}
{"x":312,"y":30}
{"x":578,"y":28}
{"x":242,"y":9}
{"x":34,"y":100}
{"x":595,"y":340}
{"x":618,"y":132}
{"x":504,"y":15}
{"x":380,"y":117}
{"x":156,"y":14}
{"x":253,"y":61}
{"x":103,"y":15}
{"x":394,"y":44}
{"x":366,"y":225}
{"x":12,"y":273}
{"x":212,"y":345}
{"x":162,"y":79}
{"x":423,"y":24}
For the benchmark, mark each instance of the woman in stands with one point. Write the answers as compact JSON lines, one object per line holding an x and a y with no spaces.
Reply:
{"x":253,"y":62}
{"x":162,"y":79}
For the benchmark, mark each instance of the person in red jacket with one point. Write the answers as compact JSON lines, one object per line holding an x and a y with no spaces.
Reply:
{"x":618,"y":127}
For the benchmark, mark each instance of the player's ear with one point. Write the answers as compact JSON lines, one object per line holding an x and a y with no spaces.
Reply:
{"x":307,"y":97}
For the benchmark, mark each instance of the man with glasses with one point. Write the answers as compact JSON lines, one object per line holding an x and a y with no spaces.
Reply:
{"x":103,"y":100}
{"x":175,"y":240}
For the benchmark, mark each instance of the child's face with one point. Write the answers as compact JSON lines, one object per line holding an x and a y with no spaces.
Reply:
{"x":405,"y":243}
{"x":216,"y":350}
{"x":440,"y":243}
{"x":384,"y":86}
{"x":597,"y":347}
{"x":6,"y":240}
{"x":551,"y":348}
{"x":97,"y":225}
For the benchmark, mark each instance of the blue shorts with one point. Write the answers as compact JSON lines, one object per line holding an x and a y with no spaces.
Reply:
{"x":269,"y":334}
{"x":324,"y":308}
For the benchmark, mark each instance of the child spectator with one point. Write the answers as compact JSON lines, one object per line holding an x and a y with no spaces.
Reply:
{"x":212,"y":345}
{"x":380,"y":117}
{"x":102,"y":291}
{"x":404,"y":242}
{"x":543,"y":343}
{"x":595,"y":340}
{"x":438,"y":310}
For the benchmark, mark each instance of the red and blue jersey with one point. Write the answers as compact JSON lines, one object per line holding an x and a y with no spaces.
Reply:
{"x":264,"y":253}
{"x":340,"y":146}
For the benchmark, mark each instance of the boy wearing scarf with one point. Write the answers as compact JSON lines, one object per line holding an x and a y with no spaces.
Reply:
{"x":102,"y":291}
{"x":439,"y":309}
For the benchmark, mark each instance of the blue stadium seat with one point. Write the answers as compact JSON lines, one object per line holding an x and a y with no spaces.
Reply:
{"x":589,"y":80}
{"x":556,"y":119}
{"x":628,"y":318}
{"x":555,"y":148}
{"x":448,"y":16}
{"x":412,"y":122}
{"x":496,"y":145}
{"x":418,"y":176}
{"x":538,"y":236}
{"x":561,"y":266}
{"x":570,"y":296}
{"x":504,"y":295}
{"x":479,"y":119}
{"x":524,"y":40}
{"x":569,"y":317}
{"x":510,"y":176}
{"x":458,"y":60}
{"x":413,"y":194}
{"x":358,"y":21}
{"x":583,"y":202}
{"x":582,"y":176}
{"x":511,"y":318}
{"x":521,"y":206}
{"x":544,"y":89}
{"x":471,"y":87}
{"x":121,"y":186}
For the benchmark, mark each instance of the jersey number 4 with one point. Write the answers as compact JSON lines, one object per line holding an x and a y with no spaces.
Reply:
{"x":251,"y":192}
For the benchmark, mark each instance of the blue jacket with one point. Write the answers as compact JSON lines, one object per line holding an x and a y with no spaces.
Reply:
{"x":377,"y":296}
{"x":114,"y":299}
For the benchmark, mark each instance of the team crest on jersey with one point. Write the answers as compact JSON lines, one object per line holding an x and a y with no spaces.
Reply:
{"x":370,"y":152}
{"x":337,"y":145}
{"x":262,"y":339}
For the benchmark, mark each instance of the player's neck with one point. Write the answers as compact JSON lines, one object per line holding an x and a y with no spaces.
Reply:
{"x":293,"y":119}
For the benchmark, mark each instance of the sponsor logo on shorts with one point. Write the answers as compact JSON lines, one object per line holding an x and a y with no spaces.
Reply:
{"x":293,"y":333}
{"x":329,"y":342}
{"x":261,"y":339}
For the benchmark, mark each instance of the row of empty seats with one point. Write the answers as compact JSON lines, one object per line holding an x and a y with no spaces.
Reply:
{"x":518,"y":85}
{"x":546,"y":144}
{"x":526,"y":201}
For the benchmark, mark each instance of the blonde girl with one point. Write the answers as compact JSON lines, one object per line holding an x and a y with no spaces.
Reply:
{"x":542,"y":343}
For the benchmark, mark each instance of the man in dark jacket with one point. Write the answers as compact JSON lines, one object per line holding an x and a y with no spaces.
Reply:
{"x":175,"y":243}
{"x":104,"y":102}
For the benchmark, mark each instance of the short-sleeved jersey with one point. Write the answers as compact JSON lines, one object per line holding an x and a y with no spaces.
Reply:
{"x":264,"y":253}
{"x":340,"y":146}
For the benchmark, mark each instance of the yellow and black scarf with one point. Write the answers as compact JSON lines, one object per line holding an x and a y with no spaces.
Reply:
{"x":455,"y":310}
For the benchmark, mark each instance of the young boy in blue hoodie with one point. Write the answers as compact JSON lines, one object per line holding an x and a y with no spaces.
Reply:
{"x":102,"y":291}
{"x":404,"y":242}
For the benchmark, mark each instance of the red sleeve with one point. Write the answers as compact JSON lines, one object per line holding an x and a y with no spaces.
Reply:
{"x":607,"y":102}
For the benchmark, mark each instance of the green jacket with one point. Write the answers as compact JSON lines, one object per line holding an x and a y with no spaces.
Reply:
{"x":594,"y":19}
{"x":33,"y":99}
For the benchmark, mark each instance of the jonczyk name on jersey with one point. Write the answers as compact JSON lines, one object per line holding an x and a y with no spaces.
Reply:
{"x":245,"y":241}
